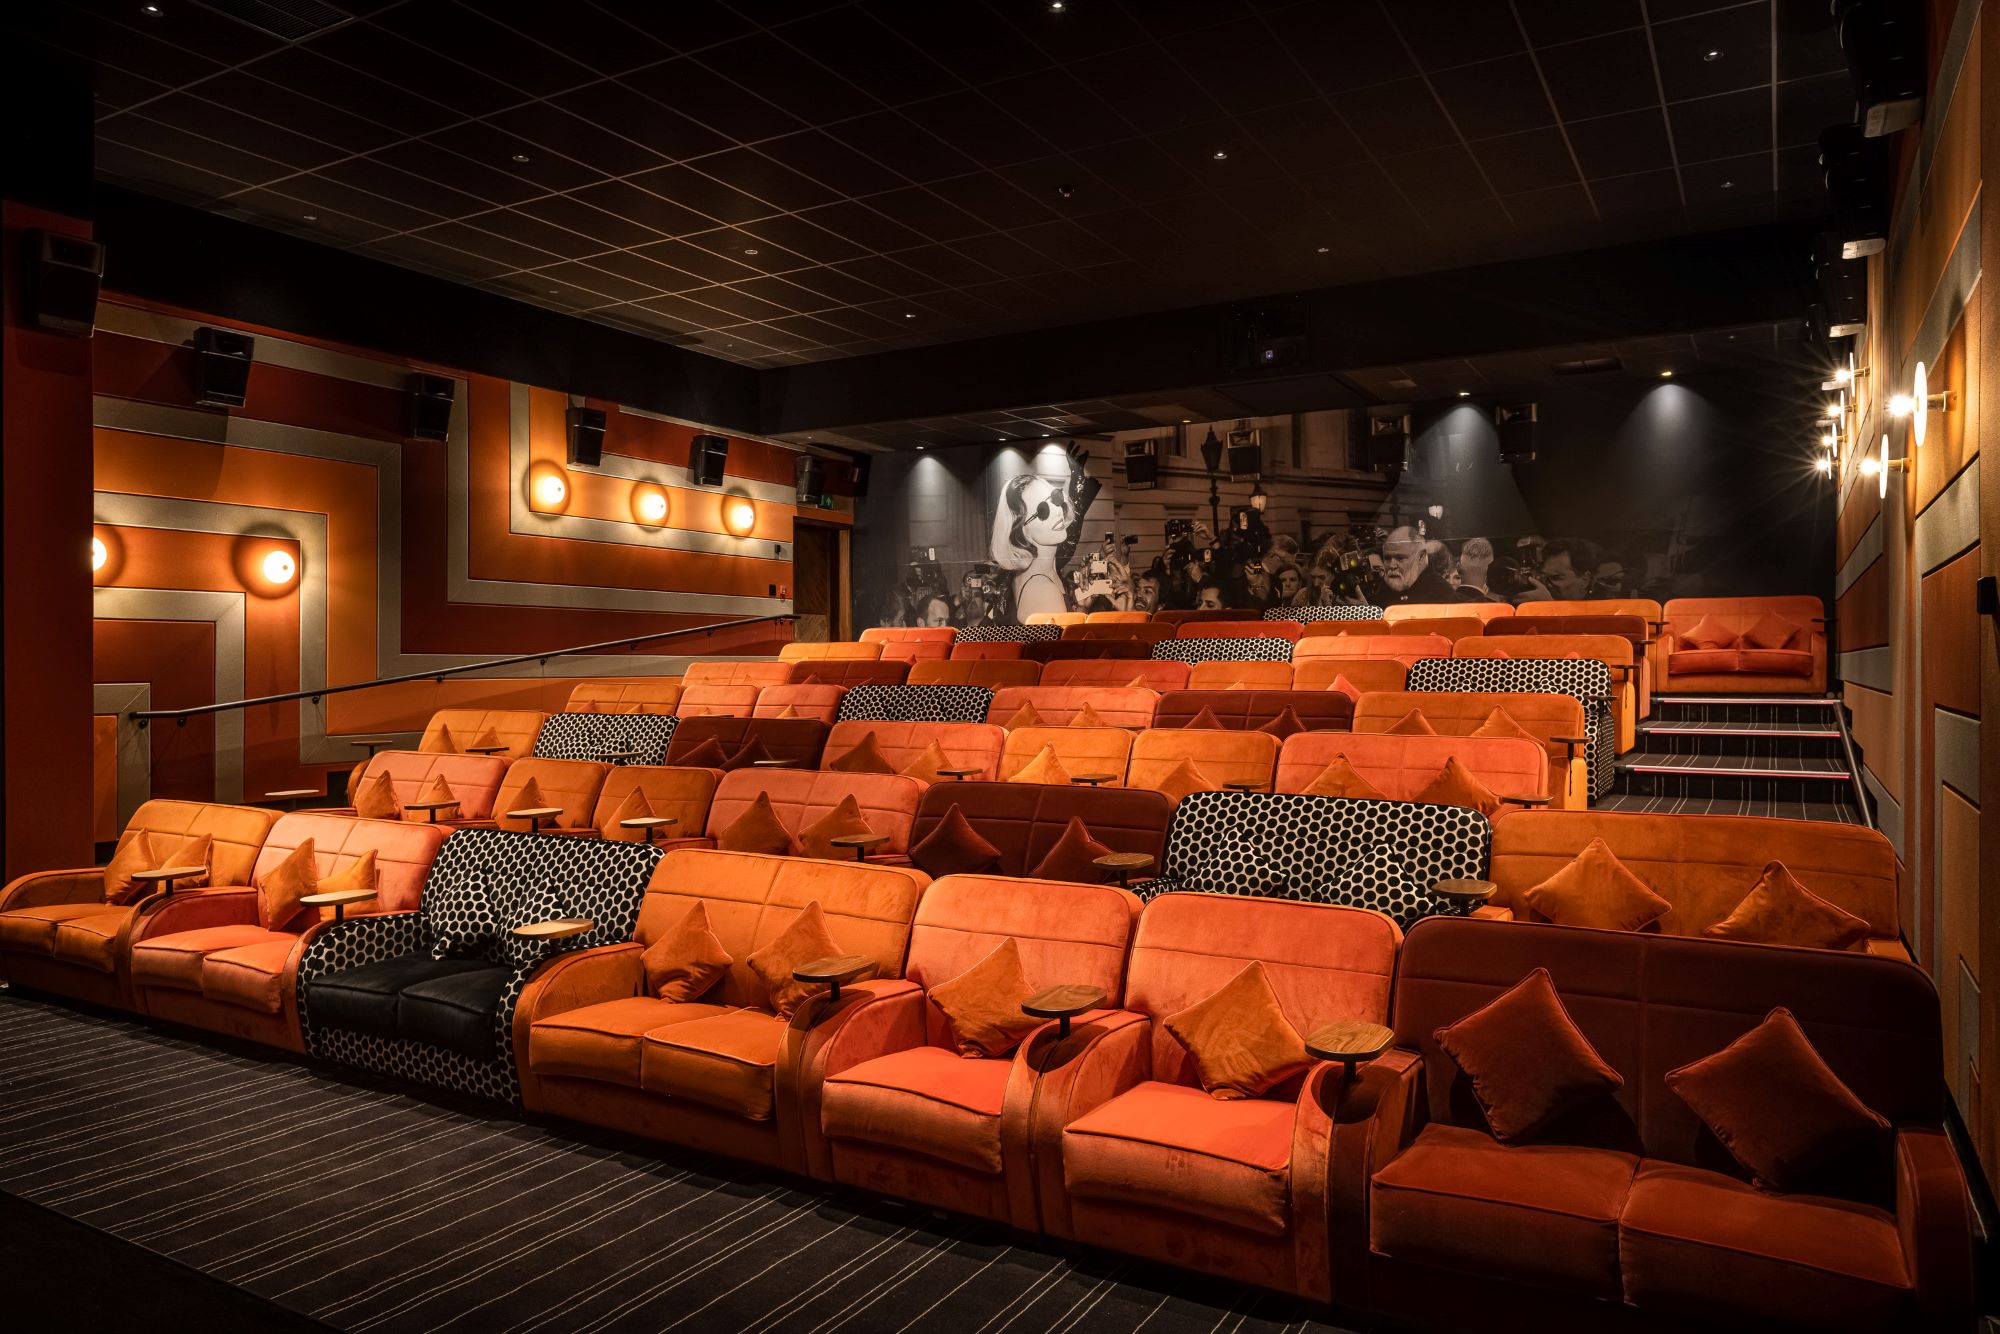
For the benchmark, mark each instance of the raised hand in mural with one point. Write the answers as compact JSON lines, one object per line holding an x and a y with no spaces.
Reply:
{"x":1081,"y":492}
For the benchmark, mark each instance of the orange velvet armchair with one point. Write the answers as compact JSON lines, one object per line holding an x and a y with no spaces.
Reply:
{"x":1115,"y":706}
{"x":1516,"y":769}
{"x":1555,"y":720}
{"x":1711,"y":648}
{"x":965,"y":745}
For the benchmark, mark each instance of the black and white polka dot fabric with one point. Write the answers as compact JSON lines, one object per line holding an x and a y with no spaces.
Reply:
{"x":915,"y":704}
{"x":1586,"y":680}
{"x":597,"y":736}
{"x":466,"y":916}
{"x":543,"y":901}
{"x":1264,"y":648}
{"x":1323,"y":612}
{"x":596,"y":878}
{"x":1368,"y":854}
{"x":1008,"y":634}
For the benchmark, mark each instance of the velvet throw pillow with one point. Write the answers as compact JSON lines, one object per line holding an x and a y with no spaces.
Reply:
{"x":1501,"y":723}
{"x":1184,"y":779}
{"x":1138,"y":683}
{"x":440,"y":742}
{"x":1597,"y":890}
{"x":866,"y":757}
{"x":747,"y":756}
{"x":357,"y":874}
{"x":1341,"y":779}
{"x":1412,"y":723}
{"x":280,"y":888}
{"x":844,"y":820}
{"x":685,"y":962}
{"x":135,"y":854}
{"x":1708,"y":632}
{"x":633,"y":807}
{"x":489,"y":740}
{"x":788,"y":712}
{"x":1025,"y":716}
{"x":804,"y":941}
{"x":1073,"y":857}
{"x":1779,"y":910}
{"x":194,"y":850}
{"x":1776,"y":1106}
{"x":925,"y":767}
{"x":437,"y":790}
{"x":954,"y":847}
{"x":1087,"y":717}
{"x":1526,"y":1058}
{"x":530,"y":798}
{"x":1770,"y":631}
{"x":758,"y":829}
{"x":1044,"y":768}
{"x":1239,"y":1039}
{"x":1346,"y":687}
{"x":377,"y":800}
{"x":982,"y":1005}
{"x":1285,"y":724}
{"x":708,"y":755}
{"x":1456,"y":786}
{"x":1205,"y":721}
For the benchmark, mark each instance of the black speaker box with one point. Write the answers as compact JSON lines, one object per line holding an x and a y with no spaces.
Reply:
{"x":586,"y":436}
{"x":809,"y":472}
{"x":707,"y":455}
{"x":1856,"y":170}
{"x":430,"y":406}
{"x":1388,"y":443}
{"x":1516,"y":425}
{"x":1884,"y":44}
{"x":64,"y":273}
{"x":222,"y":366}
{"x":1142,"y":465}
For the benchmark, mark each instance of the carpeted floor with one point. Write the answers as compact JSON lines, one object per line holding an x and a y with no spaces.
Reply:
{"x":368,"y":1209}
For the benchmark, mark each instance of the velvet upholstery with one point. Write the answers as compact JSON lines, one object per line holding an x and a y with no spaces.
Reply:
{"x":1453,"y":628}
{"x":850,"y":671}
{"x":1704,"y":865}
{"x":966,"y":745}
{"x":1804,"y":674}
{"x":1231,"y":674}
{"x":1151,"y":675}
{"x":623,"y":697}
{"x":570,"y":784}
{"x":834,"y":651}
{"x":1362,"y":675}
{"x":681,"y":793}
{"x":1115,"y":706}
{"x":1247,"y":710}
{"x":1405,"y":649}
{"x":1059,"y":618}
{"x":821,"y":703}
{"x":1087,"y":650}
{"x":1635,"y":627}
{"x":1222,"y":756}
{"x":1200,"y":614}
{"x":1141,"y":632}
{"x":996,"y":674}
{"x":800,"y":740}
{"x":516,"y":729}
{"x":1080,"y":750}
{"x":985,"y":650}
{"x":1025,"y":820}
{"x":1418,"y":611}
{"x":1461,"y":713}
{"x":912,"y":643}
{"x":888,"y":802}
{"x":1615,"y":651}
{"x":1117,"y":618}
{"x":701,"y":699}
{"x":1252,"y":628}
{"x":1401,"y":766}
{"x":756,"y":672}
{"x":473,"y":779}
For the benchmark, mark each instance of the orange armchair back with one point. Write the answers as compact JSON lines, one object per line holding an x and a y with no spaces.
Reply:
{"x":1117,"y":706}
{"x":1405,"y":649}
{"x":1402,"y":766}
{"x":237,"y":832}
{"x":403,"y":854}
{"x":624,"y":696}
{"x":1080,"y":750}
{"x":1226,"y":674}
{"x":1362,"y":674}
{"x":683,"y":793}
{"x":1154,"y":675}
{"x":820,"y":702}
{"x":516,"y":729}
{"x":993,"y":673}
{"x":704,"y":699}
{"x":570,"y":784}
{"x":474,"y":779}
{"x":834,"y":652}
{"x":965,"y":744}
{"x":888,"y":802}
{"x":1222,"y":756}
{"x":706,"y":673}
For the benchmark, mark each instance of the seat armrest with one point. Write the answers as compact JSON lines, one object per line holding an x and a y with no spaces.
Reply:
{"x":1054,"y":1081}
{"x":870,"y":1019}
{"x":573,"y":980}
{"x":1493,"y":912}
{"x":1320,"y":1104}
{"x":354,"y":943}
{"x":42,"y":889}
{"x":1375,"y":1119}
{"x":195,"y":909}
{"x":1934,"y":1222}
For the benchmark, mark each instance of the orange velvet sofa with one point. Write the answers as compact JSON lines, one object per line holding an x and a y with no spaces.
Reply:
{"x":835,"y":651}
{"x":800,"y":740}
{"x":1234,"y":674}
{"x":704,"y":699}
{"x":1630,"y":1215}
{"x":1246,"y":710}
{"x":986,"y":650}
{"x":1361,"y":674}
{"x":912,"y":643}
{"x":1024,"y":821}
{"x":682,"y":794}
{"x":516,"y":729}
{"x":1453,"y":628}
{"x":965,"y":745}
{"x":1235,"y":760}
{"x":1431,"y":611}
{"x":907,"y":1115}
{"x":1635,"y":628}
{"x":1117,"y":618}
{"x":1116,"y":706}
{"x":993,"y":673}
{"x":1405,"y":649}
{"x":1132,"y":1153}
{"x":1080,"y":750}
{"x":1797,"y":667}
{"x":888,"y":803}
{"x":723,"y":1073}
{"x":850,"y":672}
{"x":1151,"y":674}
{"x":474,"y":781}
{"x":817,"y":702}
{"x":1704,"y":864}
{"x":755,"y":672}
{"x":203,"y":959}
{"x":1515,"y":769}
{"x":1614,"y":651}
{"x":1255,"y":628}
{"x":58,"y":931}
{"x":571,"y":784}
{"x":1055,"y":618}
{"x":1556,"y":720}
{"x":623,"y":697}
{"x":1141,"y":632}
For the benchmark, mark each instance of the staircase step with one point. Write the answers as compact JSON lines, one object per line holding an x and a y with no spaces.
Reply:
{"x":1800,"y":701}
{"x":1733,"y":766}
{"x":1676,"y":727}
{"x":1836,"y":810}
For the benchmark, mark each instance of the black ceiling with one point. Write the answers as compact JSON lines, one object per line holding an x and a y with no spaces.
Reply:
{"x":897,"y":165}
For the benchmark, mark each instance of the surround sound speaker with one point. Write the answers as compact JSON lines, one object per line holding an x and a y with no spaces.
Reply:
{"x":1516,"y":424}
{"x":1843,"y":284}
{"x":1856,"y":170}
{"x":1388,"y":443}
{"x":585,"y":429}
{"x":1142,"y":464}
{"x":1883,"y":41}
{"x":430,"y":406}
{"x":222,"y":366}
{"x":1245,"y":461}
{"x":64,"y":273}
{"x":809,"y":472}
{"x":707,"y":456}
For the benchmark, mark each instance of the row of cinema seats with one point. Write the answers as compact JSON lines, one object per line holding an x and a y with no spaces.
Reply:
{"x":1510,"y":1115}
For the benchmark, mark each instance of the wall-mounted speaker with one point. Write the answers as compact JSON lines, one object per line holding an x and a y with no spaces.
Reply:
{"x":585,"y":429}
{"x":1516,"y":425}
{"x":1388,"y":443}
{"x":861,"y":466}
{"x":1856,"y":170}
{"x":809,"y":472}
{"x":64,"y":273}
{"x":1884,"y":44}
{"x":1843,"y":283}
{"x":1246,"y":459}
{"x":1142,"y":464}
{"x":222,"y":360}
{"x":707,"y":455}
{"x":430,"y":398}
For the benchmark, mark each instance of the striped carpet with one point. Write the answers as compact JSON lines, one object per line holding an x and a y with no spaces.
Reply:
{"x":368,"y":1209}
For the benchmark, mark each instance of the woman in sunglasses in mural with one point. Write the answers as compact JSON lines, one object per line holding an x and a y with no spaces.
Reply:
{"x":1035,"y":530}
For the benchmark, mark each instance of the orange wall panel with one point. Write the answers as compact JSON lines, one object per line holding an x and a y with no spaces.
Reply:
{"x":1952,"y":631}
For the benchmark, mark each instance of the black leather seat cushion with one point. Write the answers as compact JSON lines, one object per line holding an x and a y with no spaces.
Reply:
{"x":449,"y":1002}
{"x":455,"y":1010}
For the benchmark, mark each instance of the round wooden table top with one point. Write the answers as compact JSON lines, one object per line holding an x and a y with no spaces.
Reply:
{"x":535,"y":813}
{"x":1351,"y":1040}
{"x":1125,"y":861}
{"x":1475,"y":891}
{"x":833,"y":968}
{"x":1059,"y":1001}
{"x":858,"y":840}
{"x":337,"y":896}
{"x":554,"y":929}
{"x":648,"y":821}
{"x":168,"y":873}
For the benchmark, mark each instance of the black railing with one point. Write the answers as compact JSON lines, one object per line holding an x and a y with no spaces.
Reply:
{"x":145,"y":716}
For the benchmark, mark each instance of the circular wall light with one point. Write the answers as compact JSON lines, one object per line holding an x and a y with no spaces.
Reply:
{"x":1901,"y":405}
{"x":649,"y":504}
{"x":278,"y":567}
{"x":99,"y":553}
{"x":1823,"y":465}
{"x":548,"y":490}
{"x":739,"y":516}
{"x":1920,"y":401}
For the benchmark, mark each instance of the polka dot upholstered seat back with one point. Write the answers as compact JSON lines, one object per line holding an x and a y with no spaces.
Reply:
{"x":594,"y":736}
{"x":916,"y":704}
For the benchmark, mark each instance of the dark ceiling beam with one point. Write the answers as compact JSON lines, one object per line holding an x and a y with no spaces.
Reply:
{"x":1677,"y":285}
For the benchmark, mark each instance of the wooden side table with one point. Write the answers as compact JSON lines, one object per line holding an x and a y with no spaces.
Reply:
{"x":1125,"y":865}
{"x":1352,"y":1042}
{"x":860,"y":843}
{"x":650,"y":823}
{"x":338,"y":899}
{"x":1240,"y":786}
{"x":486,"y":750}
{"x":371,"y":744}
{"x":957,"y":775}
{"x":1468,"y":892}
{"x":558,"y":928}
{"x":774,"y":764}
{"x":619,"y":756}
{"x":1063,"y":1003}
{"x":431,"y":808}
{"x":536,"y":816}
{"x":290,"y":797}
{"x":833,"y":970}
{"x":165,"y":876}
{"x":1092,"y":780}
{"x":1526,"y":801}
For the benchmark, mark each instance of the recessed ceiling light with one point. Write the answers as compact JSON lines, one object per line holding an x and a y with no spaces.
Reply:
{"x":1711,"y":57}
{"x":1220,"y":155}
{"x":150,"y":11}
{"x":1729,"y":185}
{"x":751,"y":251}
{"x":909,"y":315}
{"x":1465,"y":393}
{"x":1666,"y":375}
{"x":1066,"y":191}
{"x":309,"y":217}
{"x":555,"y":291}
{"x":520,"y":157}
{"x":1057,"y":6}
{"x":1324,"y":249}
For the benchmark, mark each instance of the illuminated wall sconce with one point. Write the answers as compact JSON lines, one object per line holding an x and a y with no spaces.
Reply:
{"x":278,"y":568}
{"x":1259,"y":497}
{"x":1879,"y":465}
{"x":548,"y":489}
{"x":1823,"y":465}
{"x":99,"y":553}
{"x":649,"y":504}
{"x":1844,"y":375}
{"x":739,"y":516}
{"x":1924,"y":402}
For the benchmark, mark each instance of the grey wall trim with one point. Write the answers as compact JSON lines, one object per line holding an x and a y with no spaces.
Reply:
{"x":1937,"y":108}
{"x":1956,"y":752}
{"x":1866,"y":552}
{"x":1871,"y":667}
{"x":1947,"y":305}
{"x":135,"y":755}
{"x":1968,"y":1038}
{"x":1888,"y":811}
{"x":225,"y":611}
{"x":1949,"y":525}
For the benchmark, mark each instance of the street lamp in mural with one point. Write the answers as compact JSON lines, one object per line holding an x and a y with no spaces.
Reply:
{"x":1211,"y":459}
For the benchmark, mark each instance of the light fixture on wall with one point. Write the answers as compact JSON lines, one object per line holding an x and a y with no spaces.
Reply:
{"x":278,"y":567}
{"x":1823,"y":465}
{"x":739,"y":516}
{"x":550,"y":490}
{"x":1923,"y":402}
{"x":1259,"y":497}
{"x":1879,"y":465}
{"x":649,"y":504}
{"x":99,"y":553}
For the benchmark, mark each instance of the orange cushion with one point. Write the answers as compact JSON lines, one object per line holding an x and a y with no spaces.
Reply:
{"x":529,"y":798}
{"x":1526,"y":1058}
{"x":440,"y":742}
{"x":1341,"y":779}
{"x":1503,"y":724}
{"x":175,"y":960}
{"x":1455,"y":786}
{"x":1776,"y":1106}
{"x":377,"y":799}
{"x":603,"y":1041}
{"x":1184,"y":779}
{"x":1205,"y":721}
{"x":1285,"y":724}
{"x":1044,"y":768}
{"x":982,"y":1005}
{"x":33,"y":930}
{"x":252,"y":976}
{"x":746,"y":756}
{"x":708,"y":755}
{"x":135,"y":854}
{"x":723,"y":1061}
{"x":634,"y":807}
{"x":1238,"y":1037}
{"x":865,"y":757}
{"x":280,"y":888}
{"x":844,"y":820}
{"x":1086,"y":717}
{"x":1412,"y":723}
{"x":1073,"y":857}
{"x":954,"y":847}
{"x":439,"y":790}
{"x":357,"y":874}
{"x":1025,"y":716}
{"x":1173,"y":1148}
{"x":194,"y":850}
{"x":926,"y":765}
{"x":1708,"y":632}
{"x":1769,"y":631}
{"x":758,"y":829}
{"x":92,"y":940}
{"x":490,"y":740}
{"x":921,"y":1100}
{"x":687,"y":961}
{"x":1779,"y":910}
{"x":1597,"y":890}
{"x":804,"y":941}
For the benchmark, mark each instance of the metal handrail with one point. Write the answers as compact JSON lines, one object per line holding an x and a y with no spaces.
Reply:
{"x":180,"y":716}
